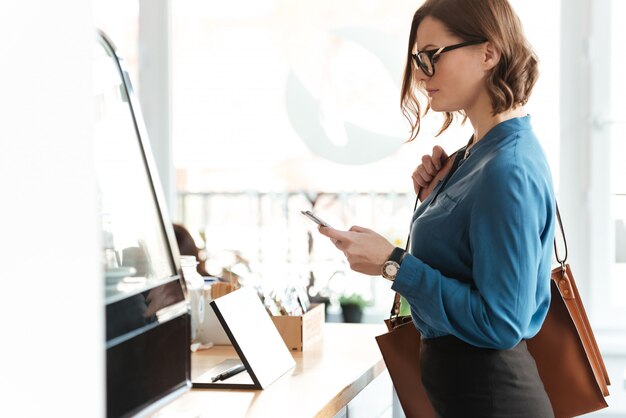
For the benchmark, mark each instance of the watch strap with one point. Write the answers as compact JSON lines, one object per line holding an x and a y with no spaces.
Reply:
{"x":397,"y":255}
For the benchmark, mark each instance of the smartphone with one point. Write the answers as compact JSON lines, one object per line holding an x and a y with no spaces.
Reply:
{"x":315,"y":218}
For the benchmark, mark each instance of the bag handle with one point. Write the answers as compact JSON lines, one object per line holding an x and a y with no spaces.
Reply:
{"x":395,"y":308}
{"x":458,"y":155}
{"x":560,"y":260}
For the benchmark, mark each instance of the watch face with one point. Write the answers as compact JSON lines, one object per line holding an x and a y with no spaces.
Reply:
{"x":390,"y":269}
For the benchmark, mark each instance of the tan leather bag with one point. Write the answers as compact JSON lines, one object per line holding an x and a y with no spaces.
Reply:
{"x":400,"y":348}
{"x":565,"y":350}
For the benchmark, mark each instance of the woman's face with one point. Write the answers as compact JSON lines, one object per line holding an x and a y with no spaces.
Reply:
{"x":459,"y":77}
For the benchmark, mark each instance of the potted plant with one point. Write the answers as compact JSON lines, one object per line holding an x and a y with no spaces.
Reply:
{"x":352,"y":307}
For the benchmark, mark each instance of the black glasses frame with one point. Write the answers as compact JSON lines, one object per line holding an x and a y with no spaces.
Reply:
{"x":432,"y":55}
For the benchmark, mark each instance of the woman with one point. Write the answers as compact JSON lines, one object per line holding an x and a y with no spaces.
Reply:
{"x":187,"y":246}
{"x":478,"y":274}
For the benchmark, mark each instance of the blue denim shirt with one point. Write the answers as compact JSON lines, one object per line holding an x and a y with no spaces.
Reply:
{"x":480,"y":257}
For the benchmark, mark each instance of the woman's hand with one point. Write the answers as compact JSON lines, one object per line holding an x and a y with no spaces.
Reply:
{"x":432,"y":169}
{"x":365,"y":249}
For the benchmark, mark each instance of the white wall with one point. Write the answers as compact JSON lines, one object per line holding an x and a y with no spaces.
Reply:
{"x":155,"y":89}
{"x":51,"y":313}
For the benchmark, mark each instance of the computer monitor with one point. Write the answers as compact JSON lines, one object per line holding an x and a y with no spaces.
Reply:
{"x":147,"y":316}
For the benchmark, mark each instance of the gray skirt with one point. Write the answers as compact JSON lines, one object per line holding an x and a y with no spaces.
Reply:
{"x":462,"y":380}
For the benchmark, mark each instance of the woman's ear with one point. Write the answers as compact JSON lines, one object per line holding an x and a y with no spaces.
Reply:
{"x":491,"y":55}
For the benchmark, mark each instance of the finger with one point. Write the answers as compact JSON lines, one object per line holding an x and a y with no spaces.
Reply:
{"x":422,"y":177}
{"x":331,"y":232}
{"x":356,"y":228}
{"x":429,"y":165}
{"x":417,"y":188}
{"x":439,"y":156}
{"x":418,"y":183}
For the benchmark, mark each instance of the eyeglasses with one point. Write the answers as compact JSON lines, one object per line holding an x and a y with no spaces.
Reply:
{"x":426,"y":60}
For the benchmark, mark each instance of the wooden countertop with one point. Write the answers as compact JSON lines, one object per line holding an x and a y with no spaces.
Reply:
{"x":326,"y":378}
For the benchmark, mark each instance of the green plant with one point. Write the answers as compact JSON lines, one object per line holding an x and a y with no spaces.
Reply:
{"x":354,"y":299}
{"x":405,"y":308}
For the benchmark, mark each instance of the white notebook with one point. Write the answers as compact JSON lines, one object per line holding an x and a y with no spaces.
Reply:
{"x":254,"y":336}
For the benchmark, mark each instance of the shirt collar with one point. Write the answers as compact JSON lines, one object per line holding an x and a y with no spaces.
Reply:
{"x":502,"y":130}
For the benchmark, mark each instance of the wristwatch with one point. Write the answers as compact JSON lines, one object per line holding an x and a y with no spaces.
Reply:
{"x":391,"y":267}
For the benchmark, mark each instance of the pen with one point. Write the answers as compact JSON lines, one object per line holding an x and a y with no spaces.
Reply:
{"x":229,"y":373}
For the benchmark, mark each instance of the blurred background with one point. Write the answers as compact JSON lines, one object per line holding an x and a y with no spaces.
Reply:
{"x":260,"y":109}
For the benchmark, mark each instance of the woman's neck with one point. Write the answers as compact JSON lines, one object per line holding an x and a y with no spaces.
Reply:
{"x":483,"y":122}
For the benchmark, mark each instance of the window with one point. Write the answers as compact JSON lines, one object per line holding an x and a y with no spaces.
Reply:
{"x":608,"y":58}
{"x":279,"y":107}
{"x":618,"y":151}
{"x":282,"y":107}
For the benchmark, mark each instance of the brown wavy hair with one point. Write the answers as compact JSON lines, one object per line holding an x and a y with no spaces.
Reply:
{"x":511,"y":80}
{"x":187,"y":246}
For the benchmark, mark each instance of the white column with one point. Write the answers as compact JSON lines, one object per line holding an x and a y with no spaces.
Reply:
{"x":52,"y":303}
{"x":601,"y":250}
{"x":155,"y":89}
{"x":575,"y":163}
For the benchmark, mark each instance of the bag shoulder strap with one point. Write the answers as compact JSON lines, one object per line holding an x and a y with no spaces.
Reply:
{"x":560,"y":260}
{"x":458,"y":155}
